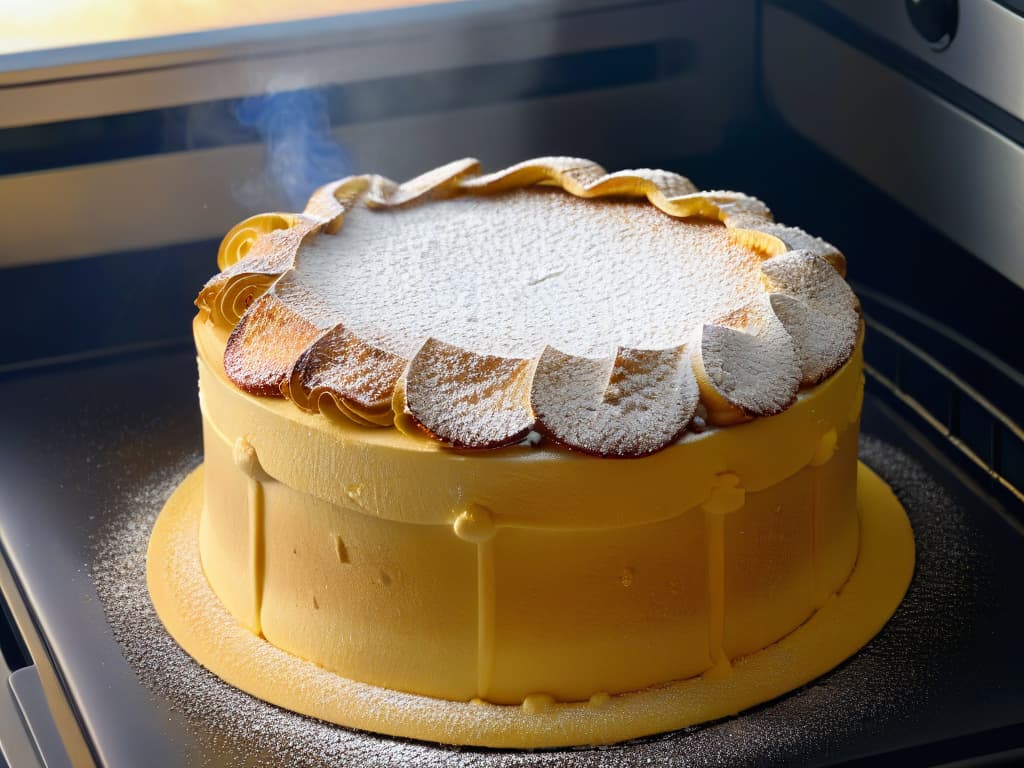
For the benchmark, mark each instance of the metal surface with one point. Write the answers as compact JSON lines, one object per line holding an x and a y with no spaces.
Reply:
{"x":201,"y":186}
{"x":980,"y":431}
{"x":58,"y":476}
{"x":986,"y":55}
{"x":61,"y":708}
{"x":17,"y":746}
{"x":952,"y":170}
{"x":133,"y":75}
{"x":31,"y":698}
{"x":527,"y":109}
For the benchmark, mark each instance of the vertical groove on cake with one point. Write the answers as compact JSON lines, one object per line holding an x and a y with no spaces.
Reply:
{"x":715,"y":528}
{"x":256,"y":549}
{"x":726,"y":497}
{"x":820,"y":496}
{"x":485,"y":617}
{"x":822,"y":590}
{"x":244,"y":456}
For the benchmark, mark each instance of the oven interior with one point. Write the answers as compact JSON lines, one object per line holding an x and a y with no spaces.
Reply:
{"x":122,"y":163}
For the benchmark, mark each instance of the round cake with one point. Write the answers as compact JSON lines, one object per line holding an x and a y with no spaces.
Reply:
{"x":542,"y":457}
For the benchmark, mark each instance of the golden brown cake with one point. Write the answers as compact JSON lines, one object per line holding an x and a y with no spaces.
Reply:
{"x":546,"y":456}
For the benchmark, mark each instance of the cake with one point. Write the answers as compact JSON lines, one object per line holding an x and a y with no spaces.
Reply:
{"x":541,"y":457}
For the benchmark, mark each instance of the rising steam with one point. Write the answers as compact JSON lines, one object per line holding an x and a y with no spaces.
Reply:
{"x":300,"y":152}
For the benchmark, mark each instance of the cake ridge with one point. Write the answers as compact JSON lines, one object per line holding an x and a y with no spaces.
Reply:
{"x":746,"y":364}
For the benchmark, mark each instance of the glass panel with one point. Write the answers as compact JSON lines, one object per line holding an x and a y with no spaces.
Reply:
{"x":31,"y":26}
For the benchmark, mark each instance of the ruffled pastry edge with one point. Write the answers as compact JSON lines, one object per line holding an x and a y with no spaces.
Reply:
{"x":749,"y":363}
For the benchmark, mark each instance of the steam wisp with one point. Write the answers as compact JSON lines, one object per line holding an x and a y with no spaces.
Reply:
{"x":301,"y":154}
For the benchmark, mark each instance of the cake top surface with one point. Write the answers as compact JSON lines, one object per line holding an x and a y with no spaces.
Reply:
{"x":609,"y":312}
{"x":510,"y":274}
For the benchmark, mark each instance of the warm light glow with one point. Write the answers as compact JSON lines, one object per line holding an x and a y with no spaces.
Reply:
{"x":43,"y":24}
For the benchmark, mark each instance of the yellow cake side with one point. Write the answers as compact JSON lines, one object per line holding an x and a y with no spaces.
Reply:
{"x":530,"y":572}
{"x":198,"y":621}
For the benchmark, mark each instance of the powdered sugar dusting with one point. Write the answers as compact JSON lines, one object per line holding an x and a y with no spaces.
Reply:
{"x":631,"y":405}
{"x":507,"y":275}
{"x":340,"y":362}
{"x":795,"y":238}
{"x":818,"y":310}
{"x":469,"y":400}
{"x":749,"y":359}
{"x":262,"y":349}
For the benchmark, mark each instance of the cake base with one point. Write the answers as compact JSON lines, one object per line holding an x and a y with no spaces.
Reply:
{"x":196,"y":619}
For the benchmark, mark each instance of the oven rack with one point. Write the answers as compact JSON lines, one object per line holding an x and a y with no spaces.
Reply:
{"x":910,"y":358}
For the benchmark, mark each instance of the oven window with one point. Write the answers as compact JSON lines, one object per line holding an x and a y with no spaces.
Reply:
{"x":34,"y":26}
